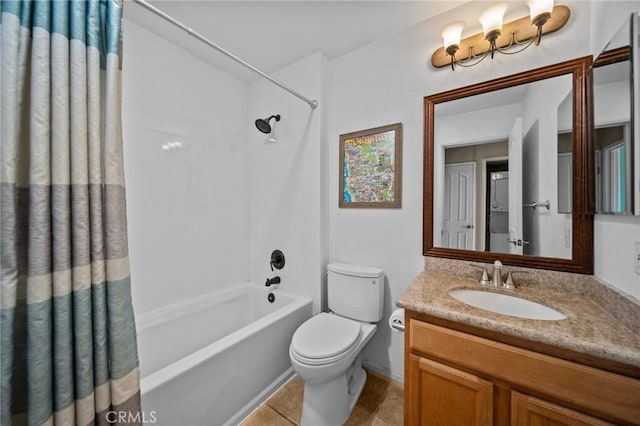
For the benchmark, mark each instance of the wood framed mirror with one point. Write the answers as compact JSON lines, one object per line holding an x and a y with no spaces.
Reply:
{"x":508,"y":170}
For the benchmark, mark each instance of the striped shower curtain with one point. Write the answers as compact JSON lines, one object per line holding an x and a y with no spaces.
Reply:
{"x":68,"y":352}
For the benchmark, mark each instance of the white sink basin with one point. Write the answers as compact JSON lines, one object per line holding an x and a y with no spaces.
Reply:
{"x":506,"y":305}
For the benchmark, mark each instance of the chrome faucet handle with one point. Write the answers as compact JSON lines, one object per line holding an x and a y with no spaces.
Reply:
{"x":509,"y":282}
{"x":484,"y":279}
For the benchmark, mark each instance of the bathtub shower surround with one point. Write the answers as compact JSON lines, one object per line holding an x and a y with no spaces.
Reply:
{"x":215,"y":358}
{"x":68,"y":336}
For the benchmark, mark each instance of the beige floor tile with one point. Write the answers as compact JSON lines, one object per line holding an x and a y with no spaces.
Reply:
{"x":288,"y":400}
{"x":266,"y":416}
{"x":379,"y":422}
{"x":391,"y":408}
{"x":373,"y":393}
{"x":380,"y":404}
{"x":360,"y":416}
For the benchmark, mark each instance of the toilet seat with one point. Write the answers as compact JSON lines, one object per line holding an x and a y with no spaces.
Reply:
{"x":325,"y":339}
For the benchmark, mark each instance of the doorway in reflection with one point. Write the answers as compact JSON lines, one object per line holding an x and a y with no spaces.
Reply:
{"x":612,"y":170}
{"x":497,"y":207}
{"x":469,"y":220}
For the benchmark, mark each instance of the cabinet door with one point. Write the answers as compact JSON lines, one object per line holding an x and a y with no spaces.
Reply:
{"x":529,"y":411}
{"x":447,"y":396}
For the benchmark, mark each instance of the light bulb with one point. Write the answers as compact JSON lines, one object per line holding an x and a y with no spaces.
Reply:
{"x":540,"y":12}
{"x":491,"y":19}
{"x":452,"y":33}
{"x":539,"y":7}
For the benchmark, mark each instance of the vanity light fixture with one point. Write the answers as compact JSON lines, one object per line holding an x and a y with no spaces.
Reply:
{"x":498,"y":37}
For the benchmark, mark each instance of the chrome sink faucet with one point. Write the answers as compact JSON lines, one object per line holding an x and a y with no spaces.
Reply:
{"x":496,"y":280}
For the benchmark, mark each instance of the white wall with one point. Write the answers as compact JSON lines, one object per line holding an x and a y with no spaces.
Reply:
{"x":542,"y":104}
{"x":606,"y":18}
{"x":385,"y":82}
{"x":611,"y":103}
{"x":187,"y":208}
{"x":479,"y":126}
{"x":614,"y":238}
{"x":285,"y":179}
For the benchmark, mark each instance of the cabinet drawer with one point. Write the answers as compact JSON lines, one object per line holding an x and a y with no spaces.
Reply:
{"x":527,"y":411}
{"x":602,"y":392}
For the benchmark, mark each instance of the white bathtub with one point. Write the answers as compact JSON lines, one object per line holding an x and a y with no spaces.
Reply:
{"x":210,"y":360}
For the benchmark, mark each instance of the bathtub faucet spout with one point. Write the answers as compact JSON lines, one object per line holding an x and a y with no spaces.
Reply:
{"x":274,"y":280}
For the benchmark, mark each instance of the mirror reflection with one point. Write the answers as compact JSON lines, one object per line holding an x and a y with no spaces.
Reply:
{"x":503,"y":170}
{"x":612,"y":138}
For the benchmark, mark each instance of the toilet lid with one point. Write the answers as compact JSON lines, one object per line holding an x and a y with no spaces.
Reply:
{"x":325,"y":336}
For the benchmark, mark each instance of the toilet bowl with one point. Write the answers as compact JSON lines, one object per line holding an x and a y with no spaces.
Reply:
{"x":325,"y":353}
{"x":325,"y":350}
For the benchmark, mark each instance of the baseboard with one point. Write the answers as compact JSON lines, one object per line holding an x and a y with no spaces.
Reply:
{"x":382,"y":371}
{"x":253,"y":405}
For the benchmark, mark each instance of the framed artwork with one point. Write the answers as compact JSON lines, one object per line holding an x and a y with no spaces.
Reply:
{"x":371,"y":168}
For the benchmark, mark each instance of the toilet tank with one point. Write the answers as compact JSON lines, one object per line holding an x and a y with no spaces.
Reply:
{"x":355,"y":291}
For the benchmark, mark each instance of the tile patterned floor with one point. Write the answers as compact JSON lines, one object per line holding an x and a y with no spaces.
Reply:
{"x":380,"y":404}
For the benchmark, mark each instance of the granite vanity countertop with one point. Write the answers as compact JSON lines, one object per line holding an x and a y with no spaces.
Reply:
{"x":587,"y":329}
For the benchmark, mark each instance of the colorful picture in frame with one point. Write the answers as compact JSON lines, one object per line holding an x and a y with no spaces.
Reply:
{"x":371,"y":168}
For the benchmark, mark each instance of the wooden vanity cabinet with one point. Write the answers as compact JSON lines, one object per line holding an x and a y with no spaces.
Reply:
{"x":447,"y":395}
{"x":456,"y":378}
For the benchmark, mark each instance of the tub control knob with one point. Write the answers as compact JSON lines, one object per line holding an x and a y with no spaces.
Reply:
{"x":277,"y":259}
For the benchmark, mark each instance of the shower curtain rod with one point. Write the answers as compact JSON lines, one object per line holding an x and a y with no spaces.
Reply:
{"x":312,"y":102}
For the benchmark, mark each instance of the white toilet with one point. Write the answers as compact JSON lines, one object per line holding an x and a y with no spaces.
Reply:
{"x":325,"y":350}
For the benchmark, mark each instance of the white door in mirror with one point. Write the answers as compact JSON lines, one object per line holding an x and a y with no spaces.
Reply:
{"x":460,"y":200}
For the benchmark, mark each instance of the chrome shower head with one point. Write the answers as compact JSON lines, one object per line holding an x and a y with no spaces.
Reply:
{"x":263,"y":123}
